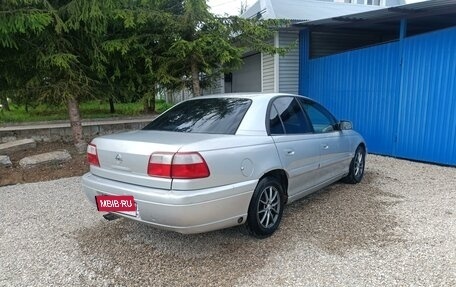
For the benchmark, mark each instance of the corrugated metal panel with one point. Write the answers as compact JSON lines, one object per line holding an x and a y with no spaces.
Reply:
{"x":268,"y":73}
{"x":303,"y":9}
{"x":404,"y":106}
{"x":427,"y":117}
{"x":328,"y":43}
{"x":304,"y":39}
{"x":313,"y":10}
{"x":361,"y":86}
{"x":289,"y":64}
{"x":396,"y":12}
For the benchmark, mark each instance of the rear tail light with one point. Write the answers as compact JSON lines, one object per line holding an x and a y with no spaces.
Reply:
{"x":160,"y":164}
{"x":179,"y":165}
{"x":92,"y":155}
{"x":189,"y":165}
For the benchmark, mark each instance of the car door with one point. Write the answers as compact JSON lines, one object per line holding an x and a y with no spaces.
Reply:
{"x":298,"y":147}
{"x":334,"y":145}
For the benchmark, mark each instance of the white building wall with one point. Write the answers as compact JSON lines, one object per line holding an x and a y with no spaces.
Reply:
{"x":268,"y":80}
{"x":288,"y":75}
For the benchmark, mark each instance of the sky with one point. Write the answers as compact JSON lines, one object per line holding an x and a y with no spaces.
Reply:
{"x":232,"y":7}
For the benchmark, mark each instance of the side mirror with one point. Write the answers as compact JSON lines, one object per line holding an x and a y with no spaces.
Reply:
{"x":345,"y":125}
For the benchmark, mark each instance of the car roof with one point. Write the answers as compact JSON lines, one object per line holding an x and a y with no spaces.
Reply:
{"x":247,"y":95}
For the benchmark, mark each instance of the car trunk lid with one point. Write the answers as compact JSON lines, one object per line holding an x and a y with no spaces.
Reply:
{"x":124,"y":157}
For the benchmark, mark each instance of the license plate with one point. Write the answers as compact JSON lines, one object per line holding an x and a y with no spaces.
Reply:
{"x":124,"y":204}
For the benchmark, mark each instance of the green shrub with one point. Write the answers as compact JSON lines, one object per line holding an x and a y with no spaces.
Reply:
{"x":89,"y":110}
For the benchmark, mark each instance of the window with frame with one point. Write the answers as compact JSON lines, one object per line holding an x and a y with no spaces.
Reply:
{"x":287,"y":117}
{"x":321,"y":119}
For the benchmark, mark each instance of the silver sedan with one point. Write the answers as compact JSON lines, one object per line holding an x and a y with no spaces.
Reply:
{"x":224,"y":160}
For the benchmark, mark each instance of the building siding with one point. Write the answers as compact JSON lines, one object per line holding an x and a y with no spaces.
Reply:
{"x":289,"y":64}
{"x":217,"y":88}
{"x":400,"y":96}
{"x":268,"y":73}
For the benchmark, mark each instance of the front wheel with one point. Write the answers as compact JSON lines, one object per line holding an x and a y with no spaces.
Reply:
{"x":356,"y":171}
{"x":266,"y":208}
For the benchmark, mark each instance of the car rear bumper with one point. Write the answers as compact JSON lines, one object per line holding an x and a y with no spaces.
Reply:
{"x":191,"y":211}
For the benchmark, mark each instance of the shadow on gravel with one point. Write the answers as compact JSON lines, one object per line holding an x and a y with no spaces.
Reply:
{"x":344,"y":216}
{"x":335,"y":220}
{"x":129,"y":253}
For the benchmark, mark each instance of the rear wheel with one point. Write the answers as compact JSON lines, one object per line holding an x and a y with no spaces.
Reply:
{"x":266,"y":208}
{"x":356,"y":171}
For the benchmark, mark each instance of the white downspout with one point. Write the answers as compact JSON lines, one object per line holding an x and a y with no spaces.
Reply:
{"x":276,"y":64}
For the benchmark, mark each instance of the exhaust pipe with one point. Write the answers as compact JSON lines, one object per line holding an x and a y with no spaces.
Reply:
{"x":110,"y":216}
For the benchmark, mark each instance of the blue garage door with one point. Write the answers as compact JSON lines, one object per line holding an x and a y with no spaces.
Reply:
{"x":401,"y":96}
{"x":427,"y":114}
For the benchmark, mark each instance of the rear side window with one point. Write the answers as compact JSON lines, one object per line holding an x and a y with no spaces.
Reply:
{"x":286,"y":116}
{"x":275,"y":123}
{"x":211,"y":116}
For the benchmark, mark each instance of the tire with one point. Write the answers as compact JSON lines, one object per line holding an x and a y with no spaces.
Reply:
{"x":266,"y":208}
{"x":356,"y":171}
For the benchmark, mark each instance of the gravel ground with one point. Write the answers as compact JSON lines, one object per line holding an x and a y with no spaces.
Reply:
{"x":398,"y":227}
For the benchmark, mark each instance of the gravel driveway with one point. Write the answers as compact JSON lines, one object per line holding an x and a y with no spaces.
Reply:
{"x":398,"y":227}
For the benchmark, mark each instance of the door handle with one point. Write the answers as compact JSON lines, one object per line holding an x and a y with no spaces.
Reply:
{"x":325,"y":146}
{"x":289,"y":152}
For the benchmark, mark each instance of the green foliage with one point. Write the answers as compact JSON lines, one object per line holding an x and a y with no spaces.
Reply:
{"x":21,"y":18}
{"x":126,"y":50}
{"x":61,"y":61}
{"x":90,"y":110}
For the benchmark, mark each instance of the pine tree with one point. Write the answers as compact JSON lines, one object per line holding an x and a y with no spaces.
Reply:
{"x":56,"y":51}
{"x":65,"y":51}
{"x":209,"y":45}
{"x":20,"y":22}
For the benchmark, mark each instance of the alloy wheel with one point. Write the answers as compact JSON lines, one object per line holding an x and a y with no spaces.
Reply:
{"x":359,"y":163}
{"x":268,"y":207}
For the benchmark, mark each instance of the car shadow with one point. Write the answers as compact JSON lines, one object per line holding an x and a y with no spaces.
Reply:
{"x":115,"y":250}
{"x":335,"y":220}
{"x":345,"y":216}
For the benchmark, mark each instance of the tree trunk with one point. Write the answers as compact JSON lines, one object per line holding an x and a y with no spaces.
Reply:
{"x":152,"y":102}
{"x":5,"y":104}
{"x":76,"y":126}
{"x":149,"y":102}
{"x":169,"y":97}
{"x":147,"y":109}
{"x":195,"y":78}
{"x":149,"y":105}
{"x":112,"y":109}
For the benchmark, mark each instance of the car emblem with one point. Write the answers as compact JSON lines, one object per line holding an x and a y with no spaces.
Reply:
{"x":118,"y":158}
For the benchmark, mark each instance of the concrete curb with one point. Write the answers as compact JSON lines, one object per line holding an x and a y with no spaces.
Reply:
{"x":51,"y":132}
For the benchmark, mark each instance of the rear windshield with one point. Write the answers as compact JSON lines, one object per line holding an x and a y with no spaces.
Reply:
{"x":210,"y":116}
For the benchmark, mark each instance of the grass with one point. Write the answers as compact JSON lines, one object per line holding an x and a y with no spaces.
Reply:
{"x":89,"y":110}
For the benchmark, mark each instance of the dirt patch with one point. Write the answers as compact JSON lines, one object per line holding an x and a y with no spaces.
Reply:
{"x":75,"y":167}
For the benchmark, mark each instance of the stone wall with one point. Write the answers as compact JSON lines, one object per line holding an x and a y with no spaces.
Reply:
{"x":62,"y":131}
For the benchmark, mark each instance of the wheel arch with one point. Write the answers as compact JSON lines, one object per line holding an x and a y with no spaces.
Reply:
{"x":360,"y":142}
{"x":282,"y":177}
{"x":363,"y":144}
